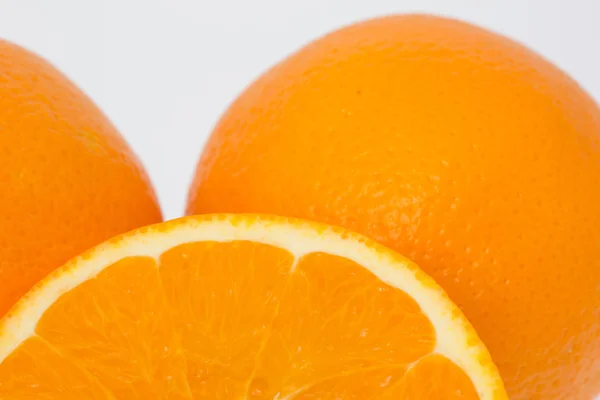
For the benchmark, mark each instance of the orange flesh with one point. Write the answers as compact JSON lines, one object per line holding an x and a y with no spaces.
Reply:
{"x":231,"y":321}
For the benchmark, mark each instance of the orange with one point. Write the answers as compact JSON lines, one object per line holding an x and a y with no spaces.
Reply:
{"x":68,"y":181}
{"x":241,"y":307}
{"x":454,"y":146}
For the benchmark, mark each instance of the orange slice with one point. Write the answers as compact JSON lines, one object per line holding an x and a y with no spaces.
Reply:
{"x":241,"y":307}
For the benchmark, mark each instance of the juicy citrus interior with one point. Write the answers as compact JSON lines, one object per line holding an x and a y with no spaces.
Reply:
{"x":241,"y":307}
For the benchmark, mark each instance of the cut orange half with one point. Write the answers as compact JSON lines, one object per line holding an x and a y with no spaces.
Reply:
{"x":241,"y":307}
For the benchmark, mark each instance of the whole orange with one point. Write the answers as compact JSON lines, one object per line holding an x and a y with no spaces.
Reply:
{"x":68,"y":180}
{"x":455,"y":146}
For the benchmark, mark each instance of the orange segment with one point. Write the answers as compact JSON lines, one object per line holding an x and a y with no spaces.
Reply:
{"x":36,"y":371}
{"x":224,"y":296}
{"x":336,"y":319}
{"x":118,"y":327}
{"x":434,"y":377}
{"x":246,"y":307}
{"x":364,"y":384}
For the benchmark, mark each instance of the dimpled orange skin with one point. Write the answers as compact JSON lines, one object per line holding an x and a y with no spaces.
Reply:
{"x":68,"y":180}
{"x":458,"y":148}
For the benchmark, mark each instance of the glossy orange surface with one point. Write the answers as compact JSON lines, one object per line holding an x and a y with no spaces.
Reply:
{"x":68,"y":180}
{"x":458,"y":148}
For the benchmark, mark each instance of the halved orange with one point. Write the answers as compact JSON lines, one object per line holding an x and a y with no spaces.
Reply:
{"x":241,"y":307}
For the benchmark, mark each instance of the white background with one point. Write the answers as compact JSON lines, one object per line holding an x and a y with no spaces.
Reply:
{"x":164,"y":70}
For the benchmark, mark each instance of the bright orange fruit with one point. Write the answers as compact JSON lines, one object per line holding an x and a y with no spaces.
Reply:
{"x":68,"y":181}
{"x":458,"y":148}
{"x":241,"y":307}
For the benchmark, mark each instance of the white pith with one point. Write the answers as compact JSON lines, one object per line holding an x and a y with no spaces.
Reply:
{"x":298,"y":238}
